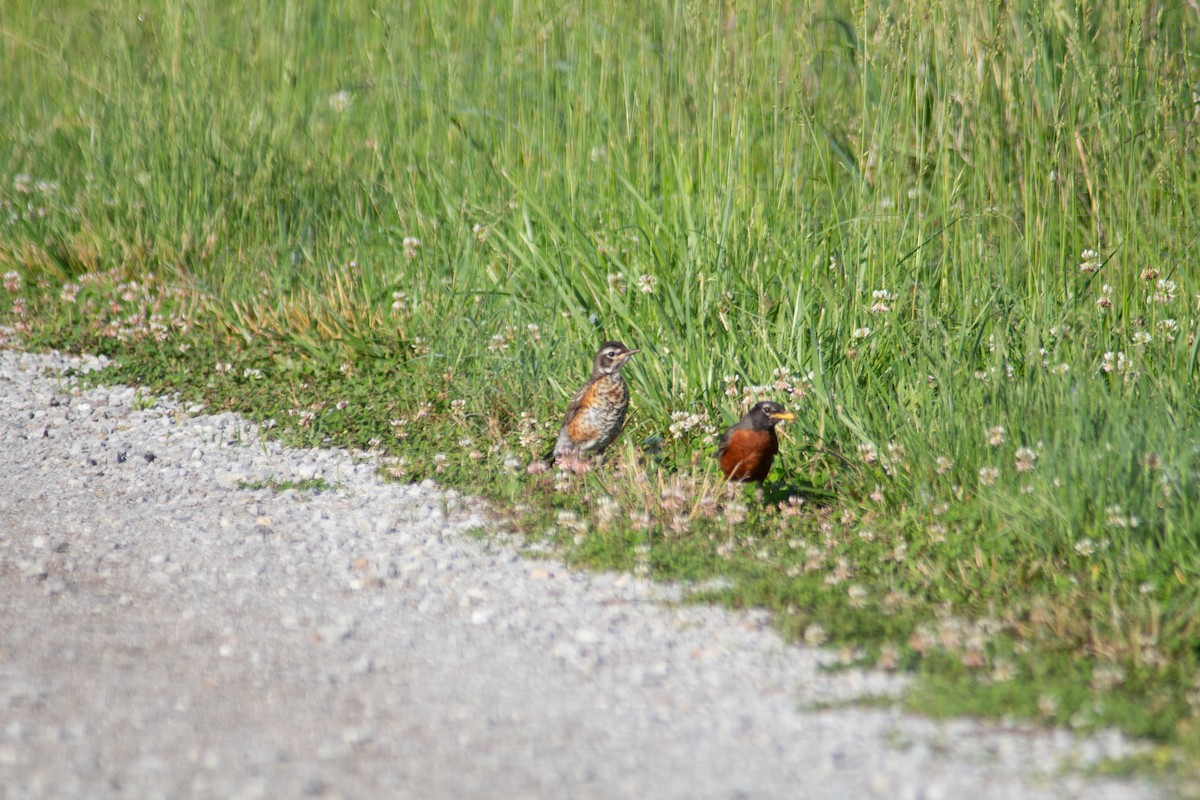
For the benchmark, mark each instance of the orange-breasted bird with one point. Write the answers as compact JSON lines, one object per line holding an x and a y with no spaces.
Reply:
{"x":596,"y":413}
{"x":749,"y":447}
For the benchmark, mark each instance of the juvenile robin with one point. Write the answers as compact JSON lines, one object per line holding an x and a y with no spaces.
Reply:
{"x":596,"y":413}
{"x":749,"y":447}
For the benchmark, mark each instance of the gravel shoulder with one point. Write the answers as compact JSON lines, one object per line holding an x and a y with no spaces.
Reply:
{"x":165,"y":632}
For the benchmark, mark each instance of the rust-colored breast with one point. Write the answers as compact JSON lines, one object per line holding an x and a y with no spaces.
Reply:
{"x":749,"y":454}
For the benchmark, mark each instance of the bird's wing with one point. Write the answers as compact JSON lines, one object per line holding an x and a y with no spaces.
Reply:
{"x":575,"y":405}
{"x":725,"y":441}
{"x":572,"y":411}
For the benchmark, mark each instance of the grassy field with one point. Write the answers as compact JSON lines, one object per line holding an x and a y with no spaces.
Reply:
{"x":958,"y":239}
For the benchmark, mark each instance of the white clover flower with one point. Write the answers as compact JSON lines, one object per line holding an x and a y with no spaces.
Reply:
{"x":339,"y":102}
{"x":1003,"y":670}
{"x":639,"y":520}
{"x":882,"y":298}
{"x":1025,"y":458}
{"x":607,"y":509}
{"x":815,"y":635}
{"x":783,"y":381}
{"x":988,"y":475}
{"x":735,"y":513}
{"x":997,"y":435}
{"x":1116,"y":517}
{"x":1090,"y":261}
{"x":411,"y":243}
{"x":860,"y":333}
{"x":647,"y":284}
{"x":1164,"y":291}
{"x":683,"y":422}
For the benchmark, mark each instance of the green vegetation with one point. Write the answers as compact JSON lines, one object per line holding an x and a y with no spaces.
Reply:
{"x":277,"y":485}
{"x":958,"y":239}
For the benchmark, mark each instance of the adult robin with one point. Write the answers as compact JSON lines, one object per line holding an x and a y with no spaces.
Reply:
{"x":749,"y":447}
{"x":596,"y":413}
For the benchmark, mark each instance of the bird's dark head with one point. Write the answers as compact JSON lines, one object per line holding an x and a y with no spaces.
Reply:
{"x":767,"y":415}
{"x":610,"y":358}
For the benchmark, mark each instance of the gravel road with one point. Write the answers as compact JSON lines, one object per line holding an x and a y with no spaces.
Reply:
{"x":165,"y":632}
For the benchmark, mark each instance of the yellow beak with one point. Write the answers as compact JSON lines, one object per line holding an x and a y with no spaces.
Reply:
{"x":783,"y":415}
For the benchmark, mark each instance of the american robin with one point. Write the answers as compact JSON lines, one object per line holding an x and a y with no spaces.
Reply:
{"x":748,"y":448}
{"x":596,"y":413}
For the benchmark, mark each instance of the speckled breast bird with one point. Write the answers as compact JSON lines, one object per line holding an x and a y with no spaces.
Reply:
{"x":596,"y":413}
{"x":749,"y":447}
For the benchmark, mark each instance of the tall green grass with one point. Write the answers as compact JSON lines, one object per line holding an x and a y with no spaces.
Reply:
{"x":882,"y":207}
